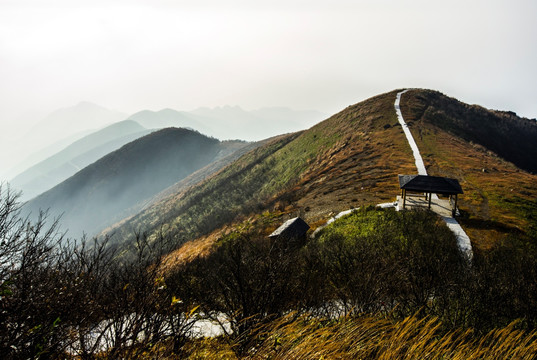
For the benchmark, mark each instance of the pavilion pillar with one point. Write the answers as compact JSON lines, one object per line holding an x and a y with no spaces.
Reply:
{"x":430,"y":200}
{"x":455,"y":207}
{"x":404,"y":198}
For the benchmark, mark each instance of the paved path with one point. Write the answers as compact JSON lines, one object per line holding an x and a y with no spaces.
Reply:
{"x":417,"y":156}
{"x":463,"y":241}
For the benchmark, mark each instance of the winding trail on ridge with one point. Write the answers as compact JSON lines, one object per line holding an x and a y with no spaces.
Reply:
{"x":463,"y":241}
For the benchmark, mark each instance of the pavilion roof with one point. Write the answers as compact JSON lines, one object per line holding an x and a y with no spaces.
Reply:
{"x":430,"y":184}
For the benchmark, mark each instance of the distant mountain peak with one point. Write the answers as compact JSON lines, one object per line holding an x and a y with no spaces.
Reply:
{"x":125,"y":178}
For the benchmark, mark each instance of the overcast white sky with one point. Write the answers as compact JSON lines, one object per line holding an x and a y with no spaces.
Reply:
{"x":323,"y":55}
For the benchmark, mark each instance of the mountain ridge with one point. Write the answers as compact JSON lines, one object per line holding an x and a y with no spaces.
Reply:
{"x":71,"y":123}
{"x":122,"y":179}
{"x":65,"y":163}
{"x":350,"y":160}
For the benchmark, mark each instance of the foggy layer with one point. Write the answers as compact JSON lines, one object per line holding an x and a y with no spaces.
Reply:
{"x":130,"y":56}
{"x":306,"y":55}
{"x":71,"y":145}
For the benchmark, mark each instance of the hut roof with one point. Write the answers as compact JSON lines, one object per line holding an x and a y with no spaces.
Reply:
{"x":292,"y":228}
{"x":430,"y":184}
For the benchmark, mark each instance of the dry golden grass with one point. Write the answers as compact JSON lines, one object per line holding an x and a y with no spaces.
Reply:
{"x":362,"y":167}
{"x":378,"y":338}
{"x":484,"y":191}
{"x":202,"y":246}
{"x":190,"y":251}
{"x":368,"y":338}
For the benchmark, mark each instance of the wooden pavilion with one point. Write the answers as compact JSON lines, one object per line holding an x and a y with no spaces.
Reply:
{"x":429,"y":185}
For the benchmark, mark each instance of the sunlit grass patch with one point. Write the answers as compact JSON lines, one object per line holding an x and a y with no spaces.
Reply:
{"x":372,"y":337}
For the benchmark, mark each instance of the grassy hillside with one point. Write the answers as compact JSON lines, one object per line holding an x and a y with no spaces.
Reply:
{"x":348,"y":160}
{"x":487,"y":151}
{"x":353,"y":159}
{"x":379,"y":263}
{"x":503,"y":133}
{"x":375,"y":284}
{"x":116,"y":184}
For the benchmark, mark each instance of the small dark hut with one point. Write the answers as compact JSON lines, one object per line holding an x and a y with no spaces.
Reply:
{"x":292,"y":231}
{"x":429,"y":185}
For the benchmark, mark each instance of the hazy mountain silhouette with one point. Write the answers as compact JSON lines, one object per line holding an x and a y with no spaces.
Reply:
{"x":232,"y":122}
{"x":59,"y":129}
{"x":42,"y":153}
{"x":72,"y":120}
{"x":67,"y":125}
{"x":104,"y":191}
{"x":53,"y":170}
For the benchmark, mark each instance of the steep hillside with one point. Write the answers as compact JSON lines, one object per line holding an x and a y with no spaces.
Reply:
{"x":353,"y":159}
{"x":53,"y":170}
{"x":502,"y":132}
{"x":487,"y":151}
{"x":115,"y":185}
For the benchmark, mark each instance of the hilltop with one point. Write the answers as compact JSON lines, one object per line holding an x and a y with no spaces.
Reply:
{"x":116,"y":185}
{"x":349,"y":160}
{"x":62,"y":165}
{"x":353,"y":158}
{"x":490,"y":152}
